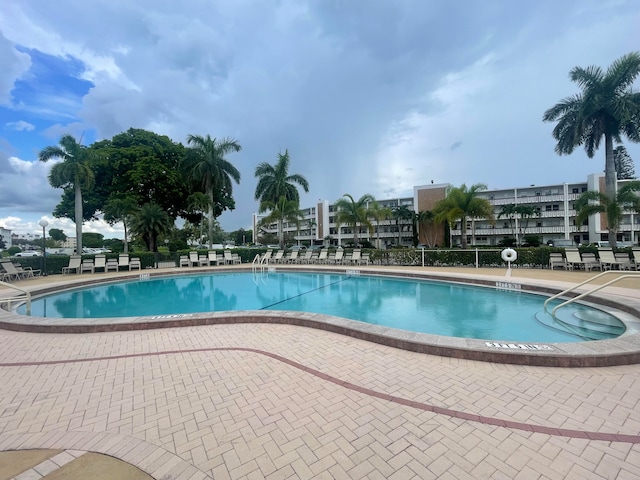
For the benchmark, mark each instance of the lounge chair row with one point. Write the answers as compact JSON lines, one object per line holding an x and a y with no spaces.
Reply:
{"x":100,"y":263}
{"x":323,"y":257}
{"x":14,"y":271}
{"x":211,"y":258}
{"x":606,"y":260}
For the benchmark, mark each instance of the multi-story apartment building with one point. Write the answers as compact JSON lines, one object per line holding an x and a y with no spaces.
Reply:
{"x":553,"y":218}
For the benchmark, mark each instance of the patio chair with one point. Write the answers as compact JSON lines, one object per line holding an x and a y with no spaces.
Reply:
{"x":574,"y":260}
{"x":135,"y":264}
{"x":591,"y":261}
{"x":123,"y":261}
{"x":11,"y":271}
{"x":100,"y":261}
{"x":365,"y":260}
{"x":557,"y":260}
{"x":278,"y":257}
{"x":112,"y":264}
{"x":338,"y":257}
{"x":231,"y":259}
{"x":74,"y":264}
{"x":608,"y":259}
{"x":203,"y":260}
{"x":323,"y":257}
{"x":293,"y":257}
{"x":212,"y":258}
{"x":635,"y":253}
{"x":306,"y":258}
{"x":355,"y":257}
{"x":624,"y":262}
{"x":87,"y":266}
{"x":194,"y":261}
{"x":26,"y":272}
{"x":184,"y":261}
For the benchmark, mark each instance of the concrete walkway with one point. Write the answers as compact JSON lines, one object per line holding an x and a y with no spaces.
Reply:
{"x":257,"y":401}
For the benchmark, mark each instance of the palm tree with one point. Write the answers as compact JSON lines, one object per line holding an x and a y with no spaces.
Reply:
{"x":510,"y":210}
{"x":607,"y":107}
{"x":213,"y":171}
{"x":460,"y":203}
{"x":401,"y":213}
{"x":73,"y":172}
{"x":120,"y":210}
{"x":279,"y":212}
{"x":274,"y":181}
{"x":526,"y":212}
{"x":593,"y":202}
{"x":379,"y":213}
{"x":150,"y":222}
{"x":354,"y":213}
{"x":199,"y":203}
{"x":425,"y":219}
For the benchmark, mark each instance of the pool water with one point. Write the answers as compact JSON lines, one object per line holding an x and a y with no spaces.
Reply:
{"x":439,"y":308}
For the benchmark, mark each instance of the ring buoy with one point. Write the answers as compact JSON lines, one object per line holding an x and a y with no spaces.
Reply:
{"x":509,"y":255}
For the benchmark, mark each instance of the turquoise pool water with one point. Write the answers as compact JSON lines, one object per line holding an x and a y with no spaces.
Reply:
{"x":439,"y":308}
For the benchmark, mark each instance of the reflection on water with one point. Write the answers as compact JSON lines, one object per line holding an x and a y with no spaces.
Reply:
{"x":421,"y":306}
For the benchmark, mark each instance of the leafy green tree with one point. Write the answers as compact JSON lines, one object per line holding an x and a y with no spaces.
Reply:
{"x":274,"y":181}
{"x":354,"y":213}
{"x":608,"y":107}
{"x":141,"y":166}
{"x":120,"y":210}
{"x":460,"y":203}
{"x":426,"y":220}
{"x":214,"y":173}
{"x":150,"y":222}
{"x":279,"y":212}
{"x":592,"y":202}
{"x":73,"y":173}
{"x":57,"y":235}
{"x":624,"y":164}
{"x":93,"y":240}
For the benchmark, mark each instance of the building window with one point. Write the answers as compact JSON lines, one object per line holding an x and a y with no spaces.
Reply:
{"x":584,"y":189}
{"x":575,"y":190}
{"x":556,"y":208}
{"x":547,"y":208}
{"x":538,"y":224}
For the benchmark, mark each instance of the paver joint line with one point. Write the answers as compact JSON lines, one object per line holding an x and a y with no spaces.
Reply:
{"x":561,"y":432}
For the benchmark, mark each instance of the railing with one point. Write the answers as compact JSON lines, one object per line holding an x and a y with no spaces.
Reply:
{"x":259,"y":262}
{"x":26,"y":297}
{"x":621,"y":276}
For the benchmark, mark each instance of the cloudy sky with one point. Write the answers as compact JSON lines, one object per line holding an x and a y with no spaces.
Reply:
{"x":368,"y":96}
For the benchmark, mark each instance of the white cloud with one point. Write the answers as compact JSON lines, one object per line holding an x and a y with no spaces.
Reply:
{"x":14,"y":65}
{"x":21,"y":126}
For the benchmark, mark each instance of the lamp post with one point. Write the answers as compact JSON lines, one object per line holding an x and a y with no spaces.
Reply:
{"x":43,"y":223}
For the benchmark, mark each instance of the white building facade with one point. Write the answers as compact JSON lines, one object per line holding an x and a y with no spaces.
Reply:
{"x":5,"y":236}
{"x":554,"y":219}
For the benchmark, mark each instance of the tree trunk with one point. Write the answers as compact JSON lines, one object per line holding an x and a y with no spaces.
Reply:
{"x":210,"y":229}
{"x":126,"y":242}
{"x":610,"y":181}
{"x":78,"y":215}
{"x":281,"y":233}
{"x":463,"y":232}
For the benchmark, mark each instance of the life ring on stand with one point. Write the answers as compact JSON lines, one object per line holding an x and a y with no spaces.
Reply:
{"x":509,"y":255}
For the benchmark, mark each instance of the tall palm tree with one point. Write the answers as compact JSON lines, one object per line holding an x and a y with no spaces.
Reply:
{"x":120,"y":210}
{"x":149,"y":223}
{"x":274,"y":181}
{"x":425,"y":219}
{"x":527,"y":212}
{"x":199,"y":203}
{"x":279,"y":212}
{"x":401,"y":213}
{"x":607,"y":107}
{"x":379,"y":213}
{"x":460,"y":203}
{"x":73,"y":172}
{"x":510,"y":211}
{"x":592,"y":202}
{"x":213,"y":171}
{"x":354,"y":213}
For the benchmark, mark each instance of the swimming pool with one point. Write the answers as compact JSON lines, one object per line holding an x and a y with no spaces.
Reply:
{"x":422,"y":306}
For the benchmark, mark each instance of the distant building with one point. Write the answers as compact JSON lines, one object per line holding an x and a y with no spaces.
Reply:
{"x":554,"y":218}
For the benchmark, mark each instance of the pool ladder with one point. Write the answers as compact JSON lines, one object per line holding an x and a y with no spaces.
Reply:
{"x":260,"y":263}
{"x":620,"y":276}
{"x":23,"y":296}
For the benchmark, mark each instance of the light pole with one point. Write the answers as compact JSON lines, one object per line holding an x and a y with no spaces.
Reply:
{"x":43,"y":223}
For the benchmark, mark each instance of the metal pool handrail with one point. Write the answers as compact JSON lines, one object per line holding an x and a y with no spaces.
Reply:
{"x":26,"y":298}
{"x":621,"y":276}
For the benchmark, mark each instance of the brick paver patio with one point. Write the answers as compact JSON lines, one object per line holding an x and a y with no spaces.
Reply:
{"x":257,"y":401}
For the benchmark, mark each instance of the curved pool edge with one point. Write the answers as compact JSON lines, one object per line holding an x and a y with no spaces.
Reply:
{"x":623,"y":350}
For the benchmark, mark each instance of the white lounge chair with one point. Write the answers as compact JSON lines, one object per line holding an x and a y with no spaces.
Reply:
{"x":11,"y":272}
{"x":100,"y":261}
{"x":355,"y":257}
{"x":184,"y":261}
{"x":75,"y":261}
{"x":112,"y":264}
{"x":624,"y":262}
{"x":574,"y":260}
{"x":194,"y":261}
{"x":278,"y":257}
{"x":323,"y":257}
{"x":337,"y":259}
{"x":557,"y":260}
{"x":635,"y":253}
{"x":213,"y":258}
{"x":87,"y":266}
{"x":123,"y":261}
{"x":591,"y":261}
{"x":306,"y":258}
{"x":135,"y":264}
{"x":608,"y":259}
